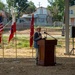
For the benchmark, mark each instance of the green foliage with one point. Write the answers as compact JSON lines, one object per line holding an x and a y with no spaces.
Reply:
{"x":22,"y":42}
{"x":57,"y":9}
{"x":31,"y":8}
{"x":2,"y":6}
{"x":10,"y":3}
{"x":20,"y":5}
{"x":72,"y":2}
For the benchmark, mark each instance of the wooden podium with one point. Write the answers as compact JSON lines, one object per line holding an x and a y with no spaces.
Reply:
{"x":47,"y":52}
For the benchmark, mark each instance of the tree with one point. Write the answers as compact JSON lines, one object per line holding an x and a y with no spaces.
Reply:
{"x":57,"y":9}
{"x":2,"y":6}
{"x":20,"y":5}
{"x":72,"y":2}
{"x":10,"y":3}
{"x":31,"y":8}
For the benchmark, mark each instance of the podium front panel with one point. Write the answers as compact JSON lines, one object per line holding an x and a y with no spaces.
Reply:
{"x":41,"y":51}
{"x":47,"y":52}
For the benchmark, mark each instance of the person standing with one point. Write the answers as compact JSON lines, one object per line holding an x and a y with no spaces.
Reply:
{"x":37,"y":37}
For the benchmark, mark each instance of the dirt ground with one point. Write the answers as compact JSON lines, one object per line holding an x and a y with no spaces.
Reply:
{"x":25,"y":64}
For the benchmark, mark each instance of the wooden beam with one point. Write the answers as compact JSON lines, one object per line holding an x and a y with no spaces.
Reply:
{"x":67,"y":26}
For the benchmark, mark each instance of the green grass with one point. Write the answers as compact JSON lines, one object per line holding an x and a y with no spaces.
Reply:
{"x":23,"y":42}
{"x":20,"y":42}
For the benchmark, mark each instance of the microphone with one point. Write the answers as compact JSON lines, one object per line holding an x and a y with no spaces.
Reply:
{"x":50,"y":35}
{"x":45,"y":33}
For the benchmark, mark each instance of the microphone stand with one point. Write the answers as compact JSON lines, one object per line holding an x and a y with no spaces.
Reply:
{"x":50,"y":35}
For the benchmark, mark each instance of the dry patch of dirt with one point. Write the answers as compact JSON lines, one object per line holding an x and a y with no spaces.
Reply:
{"x":25,"y":63}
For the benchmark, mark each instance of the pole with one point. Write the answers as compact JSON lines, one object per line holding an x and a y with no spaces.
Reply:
{"x":32,"y":51}
{"x":16,"y":45}
{"x":14,"y":20}
{"x":67,"y":26}
{"x":3,"y":46}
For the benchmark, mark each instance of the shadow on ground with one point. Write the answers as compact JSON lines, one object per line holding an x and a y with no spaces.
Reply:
{"x":27,"y":66}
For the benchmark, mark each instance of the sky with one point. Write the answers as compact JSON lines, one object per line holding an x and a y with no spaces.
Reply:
{"x":4,"y":1}
{"x":42,"y":3}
